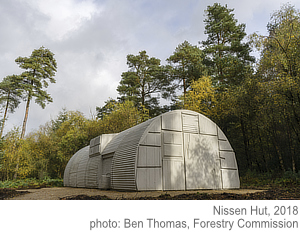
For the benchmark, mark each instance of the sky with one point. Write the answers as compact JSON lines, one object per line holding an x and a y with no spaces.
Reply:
{"x":91,"y":39}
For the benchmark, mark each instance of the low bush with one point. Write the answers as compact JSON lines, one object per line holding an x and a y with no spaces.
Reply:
{"x":270,"y":180}
{"x":31,"y":183}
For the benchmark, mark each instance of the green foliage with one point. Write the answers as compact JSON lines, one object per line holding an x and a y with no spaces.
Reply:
{"x":10,"y":153}
{"x":31,"y":183}
{"x":107,"y":108}
{"x":267,"y":104}
{"x":227,"y":55}
{"x":46,"y":152}
{"x":65,"y":136}
{"x":143,"y":82}
{"x":187,"y":65}
{"x":39,"y":68}
{"x":270,"y":180}
{"x":10,"y":95}
{"x":25,"y":153}
{"x":201,"y":97}
{"x":122,"y":116}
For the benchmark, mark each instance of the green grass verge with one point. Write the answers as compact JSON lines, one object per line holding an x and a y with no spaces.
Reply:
{"x":31,"y":183}
{"x":270,"y":180}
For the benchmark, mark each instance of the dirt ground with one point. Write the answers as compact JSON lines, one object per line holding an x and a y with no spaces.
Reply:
{"x":66,"y":193}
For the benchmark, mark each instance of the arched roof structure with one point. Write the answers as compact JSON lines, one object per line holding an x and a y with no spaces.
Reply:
{"x":178,"y":150}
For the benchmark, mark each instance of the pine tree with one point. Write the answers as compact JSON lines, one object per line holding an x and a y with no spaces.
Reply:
{"x":228,"y":56}
{"x":39,"y":67}
{"x":10,"y":95}
{"x":144,"y":83}
{"x":187,"y":65}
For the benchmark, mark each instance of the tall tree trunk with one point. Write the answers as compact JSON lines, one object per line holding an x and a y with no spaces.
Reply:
{"x":184,"y":92}
{"x":262,"y":149}
{"x":26,"y":115}
{"x":290,"y":142}
{"x":276,"y":146}
{"x":246,"y":143}
{"x":23,"y":132}
{"x":254,"y":149}
{"x":17,"y":168}
{"x":5,"y":114}
{"x":184,"y":82}
{"x":280,"y":158}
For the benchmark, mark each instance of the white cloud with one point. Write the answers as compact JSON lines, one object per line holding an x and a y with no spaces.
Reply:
{"x":63,"y":17}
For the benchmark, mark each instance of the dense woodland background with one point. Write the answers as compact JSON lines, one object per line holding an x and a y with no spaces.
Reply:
{"x":255,"y":101}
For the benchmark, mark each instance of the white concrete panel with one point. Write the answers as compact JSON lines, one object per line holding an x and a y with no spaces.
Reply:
{"x":172,"y":121}
{"x":221,"y":135}
{"x":190,"y":123}
{"x":202,"y":162}
{"x":225,"y":145}
{"x":105,"y":139}
{"x":208,"y":144}
{"x":230,"y":179}
{"x":172,"y":137}
{"x":155,"y":126}
{"x":173,"y":175}
{"x":153,"y":139}
{"x":173,"y":150}
{"x":92,"y":142}
{"x":228,"y":160}
{"x":98,"y":143}
{"x":149,"y":156}
{"x":95,"y":150}
{"x":149,"y":179}
{"x":207,"y":126}
{"x":97,"y":140}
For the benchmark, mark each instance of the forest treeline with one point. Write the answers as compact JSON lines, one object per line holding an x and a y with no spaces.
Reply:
{"x":255,"y":101}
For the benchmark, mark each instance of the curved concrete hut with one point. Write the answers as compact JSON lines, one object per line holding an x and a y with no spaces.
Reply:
{"x":178,"y":150}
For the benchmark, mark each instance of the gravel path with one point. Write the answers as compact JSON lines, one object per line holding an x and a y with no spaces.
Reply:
{"x":63,"y":192}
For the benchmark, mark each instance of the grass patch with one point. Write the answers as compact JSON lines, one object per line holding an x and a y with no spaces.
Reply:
{"x":31,"y":183}
{"x":270,"y":180}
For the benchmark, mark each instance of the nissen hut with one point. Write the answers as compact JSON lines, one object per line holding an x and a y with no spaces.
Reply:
{"x":178,"y":150}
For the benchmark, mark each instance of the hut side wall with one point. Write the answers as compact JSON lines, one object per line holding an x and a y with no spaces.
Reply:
{"x":71,"y":170}
{"x":179,"y":150}
{"x":85,"y":167}
{"x":149,"y":162}
{"x":229,"y":168}
{"x":123,"y":169}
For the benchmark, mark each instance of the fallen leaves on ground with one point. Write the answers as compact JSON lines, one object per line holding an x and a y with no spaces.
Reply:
{"x":6,"y":193}
{"x":292,"y":193}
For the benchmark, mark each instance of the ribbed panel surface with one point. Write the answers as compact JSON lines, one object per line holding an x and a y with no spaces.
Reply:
{"x":70,"y":176}
{"x":114,"y":143}
{"x":67,"y":173}
{"x":81,"y":171}
{"x":190,"y":123}
{"x":124,"y":161}
{"x":92,"y":172}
